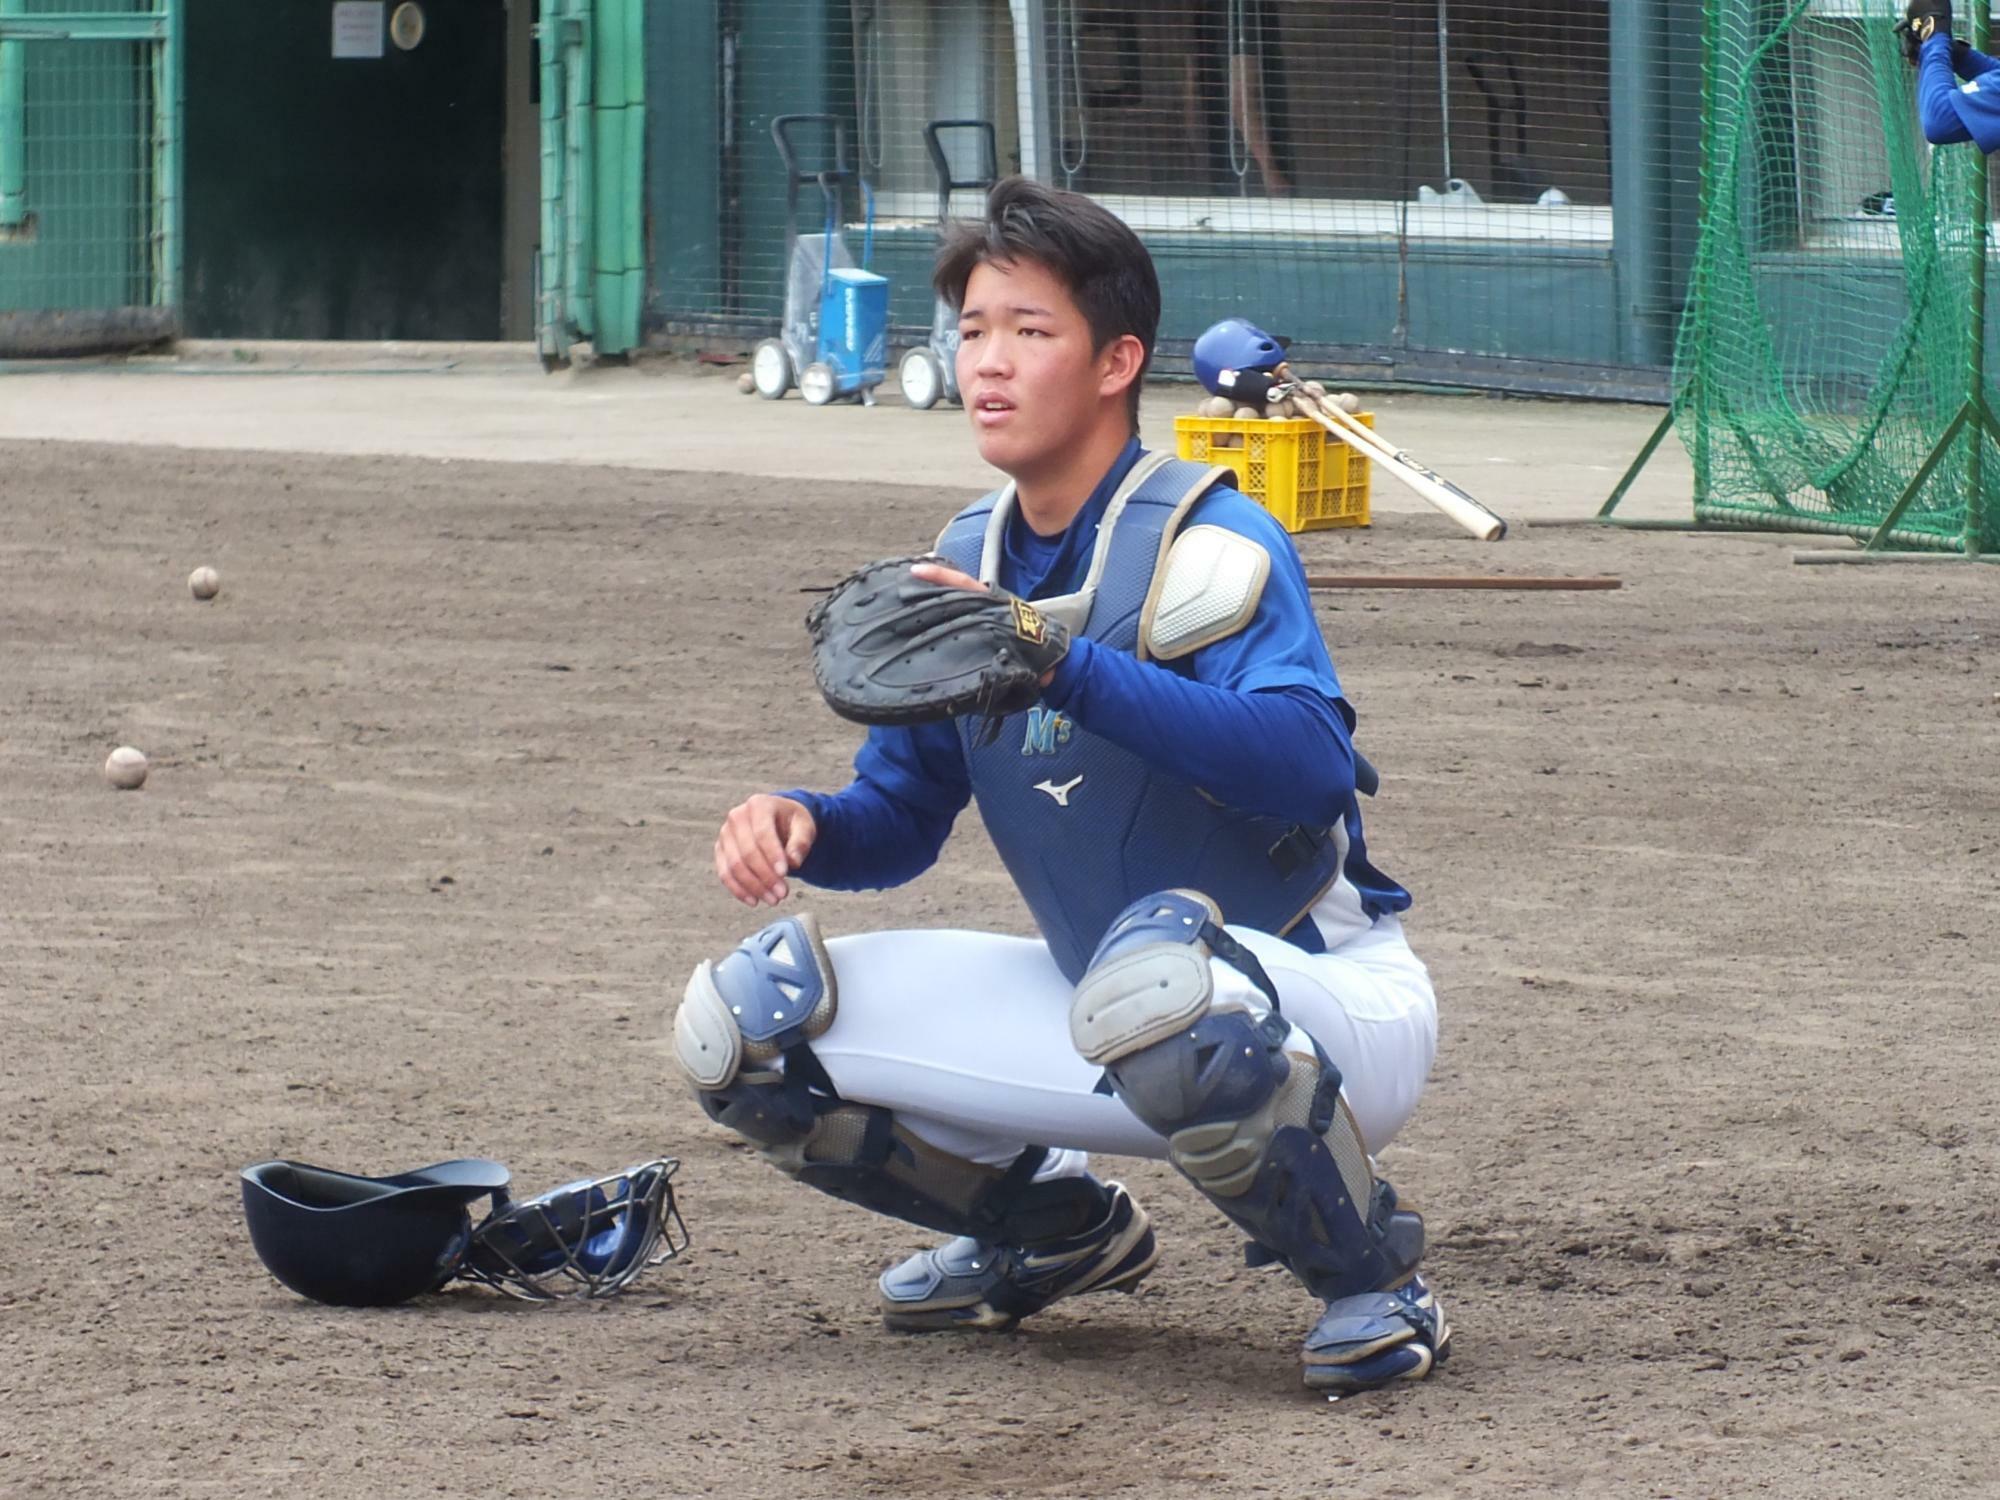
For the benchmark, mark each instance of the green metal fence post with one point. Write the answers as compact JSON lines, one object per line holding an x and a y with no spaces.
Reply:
{"x":563,"y":266}
{"x":551,"y":337}
{"x":167,"y":149}
{"x":1638,"y":207}
{"x":578,"y":98}
{"x":618,"y":130}
{"x":13,"y":126}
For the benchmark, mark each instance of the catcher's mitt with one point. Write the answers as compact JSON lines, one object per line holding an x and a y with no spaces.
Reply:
{"x":889,"y":648}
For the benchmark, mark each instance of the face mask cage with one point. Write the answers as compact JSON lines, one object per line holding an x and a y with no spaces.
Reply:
{"x":585,"y":1239}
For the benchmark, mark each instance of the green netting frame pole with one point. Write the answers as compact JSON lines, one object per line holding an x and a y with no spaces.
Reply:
{"x":1646,"y":453}
{"x":1698,"y":389}
{"x":1975,"y":376}
{"x":1974,"y":413}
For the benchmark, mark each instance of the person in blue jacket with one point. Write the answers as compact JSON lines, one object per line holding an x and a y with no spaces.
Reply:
{"x":1190,"y":757}
{"x":1958,"y":98}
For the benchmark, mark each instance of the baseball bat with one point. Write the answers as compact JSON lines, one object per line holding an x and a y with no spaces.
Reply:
{"x":1521,"y":581}
{"x":1438,"y":491}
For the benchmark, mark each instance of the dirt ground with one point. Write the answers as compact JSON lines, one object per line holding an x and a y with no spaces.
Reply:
{"x":1705,"y":868}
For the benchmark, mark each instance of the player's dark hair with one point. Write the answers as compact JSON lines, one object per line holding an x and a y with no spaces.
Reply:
{"x":1089,"y":249}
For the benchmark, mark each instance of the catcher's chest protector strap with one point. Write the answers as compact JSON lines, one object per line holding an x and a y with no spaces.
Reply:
{"x":1129,"y":561}
{"x":1085,"y":826}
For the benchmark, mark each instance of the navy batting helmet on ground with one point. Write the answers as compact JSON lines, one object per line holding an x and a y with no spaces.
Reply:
{"x":364,"y":1241}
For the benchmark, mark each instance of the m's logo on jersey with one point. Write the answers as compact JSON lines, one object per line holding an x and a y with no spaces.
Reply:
{"x":1047,"y":728}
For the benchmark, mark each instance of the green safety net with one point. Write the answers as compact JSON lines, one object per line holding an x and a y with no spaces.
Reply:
{"x":1834,"y":340}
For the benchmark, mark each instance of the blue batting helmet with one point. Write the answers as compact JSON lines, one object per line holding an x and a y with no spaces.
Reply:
{"x":1235,"y":358}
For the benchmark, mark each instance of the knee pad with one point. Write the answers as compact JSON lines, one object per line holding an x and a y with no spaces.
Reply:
{"x":769,"y":1000}
{"x":1260,"y":1130}
{"x":775,"y":991}
{"x":1150,"y":976}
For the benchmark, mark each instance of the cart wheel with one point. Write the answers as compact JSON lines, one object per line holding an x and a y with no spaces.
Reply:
{"x":816,"y":384}
{"x":921,"y":375}
{"x":771,"y":369}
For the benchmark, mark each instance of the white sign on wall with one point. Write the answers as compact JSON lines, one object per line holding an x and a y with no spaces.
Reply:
{"x":357,"y":28}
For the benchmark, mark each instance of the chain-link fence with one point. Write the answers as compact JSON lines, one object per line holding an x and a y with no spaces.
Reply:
{"x":1444,"y":190}
{"x":88,"y":173}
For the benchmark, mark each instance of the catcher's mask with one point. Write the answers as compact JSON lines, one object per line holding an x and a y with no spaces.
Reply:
{"x":584,"y":1239}
{"x":372,"y":1241}
{"x":1235,"y":358}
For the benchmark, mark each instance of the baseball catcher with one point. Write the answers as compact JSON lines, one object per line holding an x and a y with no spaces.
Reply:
{"x":1115,"y":656}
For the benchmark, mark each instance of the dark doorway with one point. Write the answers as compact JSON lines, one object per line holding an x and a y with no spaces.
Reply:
{"x":355,"y":196}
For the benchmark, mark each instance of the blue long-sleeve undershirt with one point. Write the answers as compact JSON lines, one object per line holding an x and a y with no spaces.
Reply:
{"x":1283,"y":751}
{"x":868,"y":839}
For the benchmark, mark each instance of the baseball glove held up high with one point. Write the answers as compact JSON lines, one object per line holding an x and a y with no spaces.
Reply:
{"x":891,"y":648}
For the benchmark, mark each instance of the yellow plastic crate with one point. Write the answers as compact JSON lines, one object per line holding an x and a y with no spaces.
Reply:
{"x":1297,"y":470}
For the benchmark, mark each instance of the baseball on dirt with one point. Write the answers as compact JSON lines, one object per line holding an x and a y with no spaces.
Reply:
{"x":204,"y":583}
{"x":746,"y":383}
{"x":125,"y":768}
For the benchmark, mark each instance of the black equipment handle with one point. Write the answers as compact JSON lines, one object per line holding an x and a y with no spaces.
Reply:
{"x":941,"y":164}
{"x":829,"y":180}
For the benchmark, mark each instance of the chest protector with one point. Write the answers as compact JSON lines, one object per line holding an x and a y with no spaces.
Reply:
{"x":1086,"y":828}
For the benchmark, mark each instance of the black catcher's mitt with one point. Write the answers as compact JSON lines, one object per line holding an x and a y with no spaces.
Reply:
{"x":889,"y":648}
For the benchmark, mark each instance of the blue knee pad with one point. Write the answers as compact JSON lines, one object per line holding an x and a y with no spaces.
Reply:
{"x":1262,"y":1132}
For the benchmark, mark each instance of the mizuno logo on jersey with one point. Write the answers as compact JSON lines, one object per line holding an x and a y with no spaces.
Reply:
{"x":1060,"y":793}
{"x":1047,"y":728}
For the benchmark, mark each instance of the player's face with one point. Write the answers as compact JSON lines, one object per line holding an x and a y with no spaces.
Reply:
{"x":1033,"y":387}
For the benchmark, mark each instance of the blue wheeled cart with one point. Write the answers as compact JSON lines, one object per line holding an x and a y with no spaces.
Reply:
{"x":928,"y":373}
{"x":834,"y":343}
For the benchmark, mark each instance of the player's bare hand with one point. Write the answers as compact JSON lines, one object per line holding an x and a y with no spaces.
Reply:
{"x":948,"y":576}
{"x":762,"y":841}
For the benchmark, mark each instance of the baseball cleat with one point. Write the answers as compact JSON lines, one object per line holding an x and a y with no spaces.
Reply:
{"x":1376,"y":1339}
{"x":970,"y":1283}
